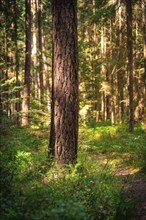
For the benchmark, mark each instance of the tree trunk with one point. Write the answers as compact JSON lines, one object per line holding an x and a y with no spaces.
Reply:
{"x":120,"y":73}
{"x":104,"y":73}
{"x":144,"y":52}
{"x":96,"y":69}
{"x":6,"y":106}
{"x":35,"y":83}
{"x":17,"y":104}
{"x":64,"y":121}
{"x":40,"y":35}
{"x":113,"y":101}
{"x":26,"y":89}
{"x":130,"y":62}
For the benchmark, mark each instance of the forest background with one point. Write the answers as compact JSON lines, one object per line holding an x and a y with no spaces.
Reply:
{"x":112,"y":86}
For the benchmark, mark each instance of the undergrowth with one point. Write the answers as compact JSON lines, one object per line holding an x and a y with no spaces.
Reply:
{"x":33,"y":188}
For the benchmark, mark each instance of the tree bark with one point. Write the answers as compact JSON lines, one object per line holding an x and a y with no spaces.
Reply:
{"x":64,"y":121}
{"x":26,"y":89}
{"x":6,"y":106}
{"x":130,"y":62}
{"x":40,"y":35}
{"x":144,"y":53}
{"x":34,"y":50}
{"x":17,"y":104}
{"x":120,"y":73}
{"x":96,"y":69}
{"x":104,"y":75}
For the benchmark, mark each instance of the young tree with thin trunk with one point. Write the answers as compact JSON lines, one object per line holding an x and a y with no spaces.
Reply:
{"x":26,"y":88}
{"x":64,"y":119}
{"x":130,"y":62}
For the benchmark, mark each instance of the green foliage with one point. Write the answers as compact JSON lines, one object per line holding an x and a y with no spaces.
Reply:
{"x":32,"y":187}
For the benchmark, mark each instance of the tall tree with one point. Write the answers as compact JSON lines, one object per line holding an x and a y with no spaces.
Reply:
{"x":26,"y":89}
{"x":144,"y":36}
{"x":64,"y":119}
{"x":35,"y":84}
{"x":130,"y":62}
{"x":144,"y":51}
{"x":120,"y":73}
{"x":17,"y":105}
{"x":40,"y":36}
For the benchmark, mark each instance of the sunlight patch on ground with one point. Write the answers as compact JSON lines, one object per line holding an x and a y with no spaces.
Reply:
{"x":115,"y":162}
{"x":125,"y":171}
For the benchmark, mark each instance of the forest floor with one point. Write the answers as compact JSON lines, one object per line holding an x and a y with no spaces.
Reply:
{"x":134,"y":185}
{"x":138,"y":192}
{"x":108,"y":182}
{"x":131,"y":175}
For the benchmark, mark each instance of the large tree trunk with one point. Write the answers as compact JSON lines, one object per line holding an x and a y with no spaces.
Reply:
{"x":64,"y":121}
{"x":26,"y":89}
{"x":130,"y":62}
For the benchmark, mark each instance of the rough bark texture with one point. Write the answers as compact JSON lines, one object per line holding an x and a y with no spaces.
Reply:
{"x":64,"y":121}
{"x":26,"y":89}
{"x":130,"y":62}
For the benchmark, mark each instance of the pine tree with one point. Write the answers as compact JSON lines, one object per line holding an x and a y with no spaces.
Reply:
{"x":64,"y":121}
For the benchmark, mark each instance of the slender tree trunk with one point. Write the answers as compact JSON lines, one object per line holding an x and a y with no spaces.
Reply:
{"x":144,"y":52}
{"x":26,"y":89}
{"x":40,"y":35}
{"x":144,"y":36}
{"x":130,"y":62}
{"x":112,"y":76}
{"x":43,"y":67}
{"x":120,"y":73}
{"x":17,"y":104}
{"x":96,"y":69}
{"x":104,"y":74}
{"x":47,"y":86}
{"x":107,"y":98}
{"x":35,"y":83}
{"x":64,"y":121}
{"x":5,"y":88}
{"x":46,"y":76}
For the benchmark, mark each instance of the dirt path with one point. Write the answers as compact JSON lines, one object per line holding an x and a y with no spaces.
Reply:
{"x":136,"y":191}
{"x":135,"y":188}
{"x":134,"y":185}
{"x":139,"y":195}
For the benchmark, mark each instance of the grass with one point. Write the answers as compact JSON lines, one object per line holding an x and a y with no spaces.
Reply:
{"x":33,"y":188}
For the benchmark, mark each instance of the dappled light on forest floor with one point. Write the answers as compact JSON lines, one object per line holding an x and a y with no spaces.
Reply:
{"x":110,"y":162}
{"x":126,"y":171}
